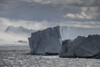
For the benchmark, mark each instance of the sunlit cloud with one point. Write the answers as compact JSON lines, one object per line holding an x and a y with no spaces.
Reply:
{"x":82,"y":15}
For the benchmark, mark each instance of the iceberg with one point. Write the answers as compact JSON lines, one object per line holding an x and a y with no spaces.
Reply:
{"x":81,"y":47}
{"x":46,"y":41}
{"x":51,"y":40}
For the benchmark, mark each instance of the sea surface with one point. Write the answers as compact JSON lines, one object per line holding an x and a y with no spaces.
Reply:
{"x":16,"y":56}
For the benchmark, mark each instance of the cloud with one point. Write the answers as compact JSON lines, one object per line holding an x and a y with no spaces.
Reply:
{"x":12,"y":38}
{"x":40,"y":14}
{"x":67,"y":2}
{"x":82,"y":15}
{"x":39,"y":25}
{"x":6,"y":38}
{"x":35,"y":25}
{"x":49,"y":10}
{"x":42,"y":2}
{"x":89,"y":24}
{"x":62,"y":1}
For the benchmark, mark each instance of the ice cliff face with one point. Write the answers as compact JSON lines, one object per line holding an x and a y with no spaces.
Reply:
{"x":47,"y":41}
{"x":89,"y":48}
{"x":81,"y":47}
{"x":68,"y":47}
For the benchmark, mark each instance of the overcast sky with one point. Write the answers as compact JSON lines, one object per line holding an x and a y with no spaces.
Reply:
{"x":40,"y":14}
{"x":37,"y":14}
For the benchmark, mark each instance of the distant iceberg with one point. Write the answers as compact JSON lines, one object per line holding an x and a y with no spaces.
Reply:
{"x":18,"y":30}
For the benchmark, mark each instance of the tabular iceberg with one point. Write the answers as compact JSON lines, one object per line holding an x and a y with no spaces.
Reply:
{"x":55,"y":40}
{"x":81,"y":47}
{"x":68,"y":47}
{"x":47,"y":41}
{"x":89,"y":48}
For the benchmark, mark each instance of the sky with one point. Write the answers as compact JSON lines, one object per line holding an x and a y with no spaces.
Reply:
{"x":40,"y":14}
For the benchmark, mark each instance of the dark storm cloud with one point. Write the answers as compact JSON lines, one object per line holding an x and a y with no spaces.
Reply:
{"x":29,"y":11}
{"x":69,"y":2}
{"x":51,"y":10}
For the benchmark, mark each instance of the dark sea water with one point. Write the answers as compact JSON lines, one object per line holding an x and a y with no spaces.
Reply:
{"x":17,"y":47}
{"x":16,"y":56}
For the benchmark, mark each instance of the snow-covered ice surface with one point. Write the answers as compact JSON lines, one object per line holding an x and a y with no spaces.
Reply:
{"x":16,"y":57}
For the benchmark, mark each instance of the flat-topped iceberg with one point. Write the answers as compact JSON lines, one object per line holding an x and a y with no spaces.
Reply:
{"x":81,"y":47}
{"x":49,"y":41}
